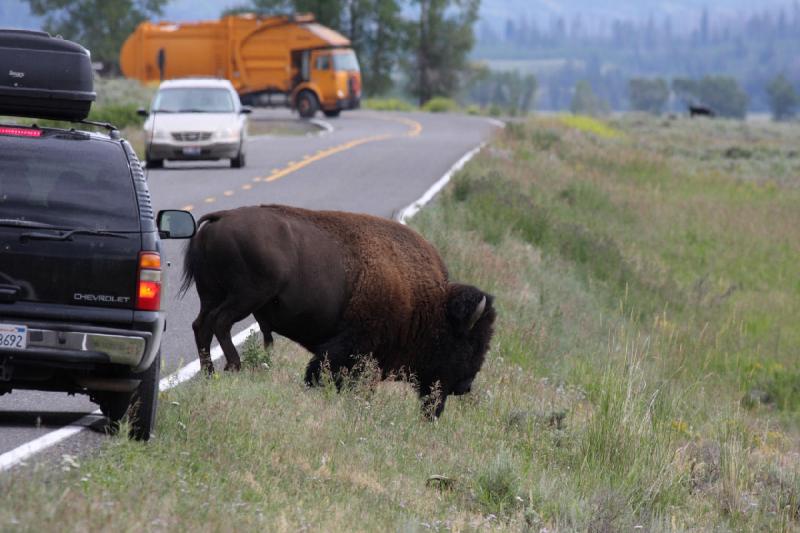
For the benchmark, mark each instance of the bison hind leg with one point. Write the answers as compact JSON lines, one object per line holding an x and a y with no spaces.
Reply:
{"x":203,"y":335}
{"x":222,"y":318}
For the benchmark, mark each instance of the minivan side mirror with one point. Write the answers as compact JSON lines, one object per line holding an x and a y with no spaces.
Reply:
{"x":175,"y":224}
{"x":246,"y":110}
{"x":142,"y":112}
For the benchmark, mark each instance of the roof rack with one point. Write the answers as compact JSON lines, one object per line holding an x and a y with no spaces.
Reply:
{"x":113,"y":131}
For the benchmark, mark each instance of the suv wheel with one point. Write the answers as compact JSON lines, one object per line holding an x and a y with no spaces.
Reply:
{"x":154,"y":163}
{"x":239,"y":160}
{"x":140,"y":406}
{"x":307,"y":104}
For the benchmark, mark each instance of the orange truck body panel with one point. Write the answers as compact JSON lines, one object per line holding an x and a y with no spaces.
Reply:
{"x":259,"y":55}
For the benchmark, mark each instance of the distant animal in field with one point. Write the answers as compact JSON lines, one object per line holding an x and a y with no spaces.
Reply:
{"x":701,"y":111}
{"x":342,"y":285}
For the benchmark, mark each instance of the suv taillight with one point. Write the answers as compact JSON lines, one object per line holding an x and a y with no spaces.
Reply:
{"x":148,"y":289}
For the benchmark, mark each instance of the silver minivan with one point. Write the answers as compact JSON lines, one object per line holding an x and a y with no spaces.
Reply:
{"x":195,"y":119}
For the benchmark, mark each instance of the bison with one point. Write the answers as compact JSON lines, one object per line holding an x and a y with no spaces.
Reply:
{"x":342,"y":285}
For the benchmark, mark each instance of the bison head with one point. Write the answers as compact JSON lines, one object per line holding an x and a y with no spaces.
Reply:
{"x":471,"y":316}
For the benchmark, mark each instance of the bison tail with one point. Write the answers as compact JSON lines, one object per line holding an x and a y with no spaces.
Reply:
{"x":192,"y":256}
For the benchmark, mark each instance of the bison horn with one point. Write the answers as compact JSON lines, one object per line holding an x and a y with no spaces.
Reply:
{"x":477,"y":314}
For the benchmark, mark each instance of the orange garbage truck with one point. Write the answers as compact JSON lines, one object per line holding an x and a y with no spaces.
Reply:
{"x":271,"y":61}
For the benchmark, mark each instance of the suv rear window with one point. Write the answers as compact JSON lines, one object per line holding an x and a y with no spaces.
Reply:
{"x":67,"y":183}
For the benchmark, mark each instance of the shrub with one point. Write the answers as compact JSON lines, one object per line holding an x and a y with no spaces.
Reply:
{"x":387,"y":104}
{"x":254,"y":355}
{"x":498,"y":485}
{"x":440,"y":104}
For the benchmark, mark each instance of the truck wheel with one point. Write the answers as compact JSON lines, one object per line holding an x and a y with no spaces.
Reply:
{"x":307,"y":104}
{"x":140,"y":406}
{"x":332,"y":113}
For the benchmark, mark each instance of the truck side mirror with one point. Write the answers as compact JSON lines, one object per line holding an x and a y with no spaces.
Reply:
{"x":175,"y":224}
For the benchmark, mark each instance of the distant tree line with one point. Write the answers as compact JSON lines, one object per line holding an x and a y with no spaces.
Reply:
{"x":721,"y":95}
{"x":99,"y":25}
{"x":431,"y":47}
{"x":753,"y":49}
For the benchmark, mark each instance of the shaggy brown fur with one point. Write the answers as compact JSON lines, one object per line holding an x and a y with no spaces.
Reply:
{"x":341,"y":285}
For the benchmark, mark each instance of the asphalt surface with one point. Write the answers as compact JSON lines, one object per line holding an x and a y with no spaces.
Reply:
{"x":374,"y":163}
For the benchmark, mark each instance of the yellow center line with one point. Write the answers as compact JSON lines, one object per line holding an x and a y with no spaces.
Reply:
{"x":415,"y":128}
{"x":294,"y":166}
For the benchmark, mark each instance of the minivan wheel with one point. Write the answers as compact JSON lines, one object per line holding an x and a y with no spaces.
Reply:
{"x":307,"y":104}
{"x":239,"y":160}
{"x":140,"y":406}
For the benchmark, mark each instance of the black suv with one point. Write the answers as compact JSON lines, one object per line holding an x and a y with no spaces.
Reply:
{"x":80,"y":264}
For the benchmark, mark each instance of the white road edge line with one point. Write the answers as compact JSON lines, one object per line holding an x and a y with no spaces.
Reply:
{"x":412,"y":209}
{"x":24,"y":451}
{"x":326,"y":126}
{"x":20,"y":453}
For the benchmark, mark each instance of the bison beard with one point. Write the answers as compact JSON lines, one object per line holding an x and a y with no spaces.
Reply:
{"x":342,"y":285}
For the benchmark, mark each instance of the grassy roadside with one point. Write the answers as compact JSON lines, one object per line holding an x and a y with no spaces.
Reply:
{"x":642,"y":373}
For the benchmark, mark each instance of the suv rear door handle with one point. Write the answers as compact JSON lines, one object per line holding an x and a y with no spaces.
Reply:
{"x":9,"y":293}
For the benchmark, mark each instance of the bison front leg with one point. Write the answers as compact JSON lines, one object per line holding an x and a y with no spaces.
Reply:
{"x":433,"y":397}
{"x":335,"y":365}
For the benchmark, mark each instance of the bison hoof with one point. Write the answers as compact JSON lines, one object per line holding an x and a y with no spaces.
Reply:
{"x":208,"y":369}
{"x":313,"y":373}
{"x":233,"y":367}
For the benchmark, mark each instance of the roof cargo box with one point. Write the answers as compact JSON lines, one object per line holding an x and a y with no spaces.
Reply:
{"x":44,"y":77}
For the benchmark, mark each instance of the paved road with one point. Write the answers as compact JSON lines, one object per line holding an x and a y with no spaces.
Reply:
{"x":373,"y":163}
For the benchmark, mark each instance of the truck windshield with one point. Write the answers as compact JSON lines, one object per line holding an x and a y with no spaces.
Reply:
{"x":67,"y":183}
{"x":193,"y":100}
{"x":345,"y":61}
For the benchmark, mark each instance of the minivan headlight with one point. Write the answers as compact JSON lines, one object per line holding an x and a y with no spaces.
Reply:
{"x":159,"y":134}
{"x":228,"y":134}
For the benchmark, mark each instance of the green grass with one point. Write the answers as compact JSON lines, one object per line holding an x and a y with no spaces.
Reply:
{"x":643,"y":371}
{"x":387,"y":104}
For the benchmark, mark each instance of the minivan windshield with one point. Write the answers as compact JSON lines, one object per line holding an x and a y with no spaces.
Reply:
{"x":67,"y":184}
{"x":193,"y":100}
{"x":345,"y":61}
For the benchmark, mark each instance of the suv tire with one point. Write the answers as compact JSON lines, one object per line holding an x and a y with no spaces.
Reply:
{"x":307,"y":104}
{"x":154,"y":163}
{"x":140,"y":406}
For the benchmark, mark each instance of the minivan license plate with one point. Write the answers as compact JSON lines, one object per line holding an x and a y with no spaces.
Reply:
{"x":13,"y":337}
{"x":192,"y":150}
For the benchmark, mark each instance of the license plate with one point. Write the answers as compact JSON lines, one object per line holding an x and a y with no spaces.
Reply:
{"x":13,"y":337}
{"x":191,"y":150}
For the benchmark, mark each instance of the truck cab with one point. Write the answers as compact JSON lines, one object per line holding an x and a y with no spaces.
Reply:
{"x":335,"y":80}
